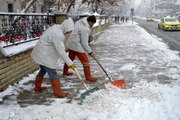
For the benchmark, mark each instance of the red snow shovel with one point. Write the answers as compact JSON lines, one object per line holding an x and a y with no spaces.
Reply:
{"x":118,"y":83}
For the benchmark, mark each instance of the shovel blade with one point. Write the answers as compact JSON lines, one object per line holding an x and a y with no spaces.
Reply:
{"x":88,"y":92}
{"x":117,"y":83}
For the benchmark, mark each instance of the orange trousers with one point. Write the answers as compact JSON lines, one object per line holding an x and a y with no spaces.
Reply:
{"x":84,"y":60}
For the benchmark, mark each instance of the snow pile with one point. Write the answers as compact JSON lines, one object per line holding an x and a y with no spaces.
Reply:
{"x":144,"y":101}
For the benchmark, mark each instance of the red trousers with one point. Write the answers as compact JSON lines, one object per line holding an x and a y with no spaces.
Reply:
{"x":84,"y":60}
{"x":81,"y":56}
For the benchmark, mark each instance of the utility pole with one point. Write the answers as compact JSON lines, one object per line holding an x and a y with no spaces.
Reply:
{"x":154,"y":7}
{"x":132,"y":14}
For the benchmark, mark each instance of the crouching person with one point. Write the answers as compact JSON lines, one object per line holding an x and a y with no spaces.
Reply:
{"x":47,"y":52}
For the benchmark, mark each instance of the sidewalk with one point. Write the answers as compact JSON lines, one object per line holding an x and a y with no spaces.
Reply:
{"x":126,"y":51}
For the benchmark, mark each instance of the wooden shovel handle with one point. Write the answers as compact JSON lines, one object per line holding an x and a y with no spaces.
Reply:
{"x":102,"y":68}
{"x":80,"y":78}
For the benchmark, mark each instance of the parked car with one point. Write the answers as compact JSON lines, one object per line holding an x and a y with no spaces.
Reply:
{"x":169,"y":23}
{"x":149,"y":19}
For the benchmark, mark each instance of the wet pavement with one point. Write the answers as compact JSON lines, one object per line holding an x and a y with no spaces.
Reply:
{"x":70,"y":84}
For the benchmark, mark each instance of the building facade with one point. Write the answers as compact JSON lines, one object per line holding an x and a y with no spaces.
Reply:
{"x":16,"y":6}
{"x":10,"y":6}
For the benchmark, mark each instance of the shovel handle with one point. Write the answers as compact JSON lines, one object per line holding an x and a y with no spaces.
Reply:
{"x":102,"y":67}
{"x":80,"y":78}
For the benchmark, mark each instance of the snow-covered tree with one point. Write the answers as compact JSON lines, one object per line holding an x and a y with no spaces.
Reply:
{"x":107,"y":7}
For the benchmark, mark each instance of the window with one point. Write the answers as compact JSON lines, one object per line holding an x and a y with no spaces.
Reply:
{"x":10,"y":7}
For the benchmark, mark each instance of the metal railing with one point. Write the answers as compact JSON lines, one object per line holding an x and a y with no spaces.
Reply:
{"x":17,"y":28}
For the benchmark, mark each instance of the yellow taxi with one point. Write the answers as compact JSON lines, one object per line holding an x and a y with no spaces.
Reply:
{"x":169,"y":23}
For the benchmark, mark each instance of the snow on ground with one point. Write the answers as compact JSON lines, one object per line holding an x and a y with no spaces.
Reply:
{"x":127,"y":51}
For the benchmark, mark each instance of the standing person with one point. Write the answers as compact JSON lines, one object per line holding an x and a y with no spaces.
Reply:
{"x":78,"y":45}
{"x":126,"y":18}
{"x":117,"y":18}
{"x":47,"y":52}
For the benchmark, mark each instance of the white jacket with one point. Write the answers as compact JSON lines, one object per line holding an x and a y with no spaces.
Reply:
{"x":78,"y":40}
{"x":50,"y":46}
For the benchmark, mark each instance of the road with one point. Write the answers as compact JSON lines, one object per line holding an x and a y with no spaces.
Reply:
{"x":172,"y":38}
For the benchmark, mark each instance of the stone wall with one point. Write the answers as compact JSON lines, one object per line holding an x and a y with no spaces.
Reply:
{"x":13,"y":69}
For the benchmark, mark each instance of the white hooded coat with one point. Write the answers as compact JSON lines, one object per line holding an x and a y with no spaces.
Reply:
{"x":50,"y":46}
{"x":78,"y":40}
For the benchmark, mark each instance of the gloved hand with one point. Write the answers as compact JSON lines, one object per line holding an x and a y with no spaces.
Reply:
{"x":67,"y":50}
{"x":91,"y":54}
{"x":73,"y":66}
